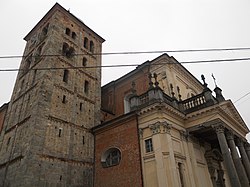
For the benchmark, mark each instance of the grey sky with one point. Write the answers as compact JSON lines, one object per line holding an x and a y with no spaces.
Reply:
{"x":141,"y":25}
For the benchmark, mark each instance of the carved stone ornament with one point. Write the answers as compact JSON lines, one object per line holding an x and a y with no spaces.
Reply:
{"x":219,"y":129}
{"x":167,"y":127}
{"x":141,"y":133}
{"x":155,"y":128}
{"x":239,"y":142}
{"x":184,"y":135}
{"x":230,"y":135}
{"x":247,"y":146}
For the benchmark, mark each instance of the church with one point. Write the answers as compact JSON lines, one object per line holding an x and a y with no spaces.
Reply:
{"x":156,"y":126}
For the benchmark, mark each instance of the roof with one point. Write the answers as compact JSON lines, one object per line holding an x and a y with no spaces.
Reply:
{"x":58,"y":7}
{"x":115,"y":121}
{"x":4,"y":106}
{"x":148,"y":63}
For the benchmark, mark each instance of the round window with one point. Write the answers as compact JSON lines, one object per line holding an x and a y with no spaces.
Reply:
{"x":111,"y":157}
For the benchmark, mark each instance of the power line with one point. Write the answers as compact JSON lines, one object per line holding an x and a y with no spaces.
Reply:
{"x":130,"y":65}
{"x":139,"y":52}
{"x":242,"y":97}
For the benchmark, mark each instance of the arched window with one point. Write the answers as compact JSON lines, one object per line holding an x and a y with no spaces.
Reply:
{"x":85,"y":42}
{"x":45,"y":30}
{"x":73,"y":35}
{"x":84,"y":61}
{"x":111,"y":157}
{"x":65,"y":48}
{"x":67,"y":31}
{"x":68,"y":51}
{"x":91,"y":46}
{"x":126,"y":103}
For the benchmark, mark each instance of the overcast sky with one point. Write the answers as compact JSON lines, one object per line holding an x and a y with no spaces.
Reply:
{"x":141,"y":25}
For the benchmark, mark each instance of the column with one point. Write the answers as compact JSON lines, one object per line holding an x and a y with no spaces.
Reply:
{"x":142,"y":155}
{"x":247,"y":148}
{"x":237,"y":161}
{"x":233,"y":176}
{"x":244,"y":157}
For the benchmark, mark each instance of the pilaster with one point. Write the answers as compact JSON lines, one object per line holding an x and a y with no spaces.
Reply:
{"x":157,"y":144}
{"x":172,"y":163}
{"x":185,"y":137}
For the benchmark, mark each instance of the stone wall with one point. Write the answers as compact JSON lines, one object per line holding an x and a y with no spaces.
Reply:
{"x":47,"y":139}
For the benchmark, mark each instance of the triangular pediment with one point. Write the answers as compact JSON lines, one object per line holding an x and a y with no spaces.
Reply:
{"x":230,"y":110}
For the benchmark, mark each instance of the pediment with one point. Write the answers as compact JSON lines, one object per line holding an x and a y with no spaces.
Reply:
{"x":229,"y":109}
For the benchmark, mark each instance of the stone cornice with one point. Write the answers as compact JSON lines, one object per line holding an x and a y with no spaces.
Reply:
{"x":220,"y":111}
{"x":164,"y":107}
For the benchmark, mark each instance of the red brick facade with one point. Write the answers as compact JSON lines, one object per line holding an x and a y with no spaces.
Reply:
{"x":121,"y":133}
{"x":113,"y":94}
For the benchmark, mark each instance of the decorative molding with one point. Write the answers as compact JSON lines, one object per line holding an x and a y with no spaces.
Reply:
{"x":140,"y":131}
{"x":247,"y":146}
{"x":185,"y":136}
{"x":166,"y":127}
{"x":166,"y":108}
{"x":239,"y":142}
{"x":219,"y":129}
{"x":155,"y":128}
{"x":149,"y":156}
{"x":230,"y":135}
{"x":180,"y":156}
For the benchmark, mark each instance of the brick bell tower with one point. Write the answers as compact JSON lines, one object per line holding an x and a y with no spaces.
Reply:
{"x":46,"y":138}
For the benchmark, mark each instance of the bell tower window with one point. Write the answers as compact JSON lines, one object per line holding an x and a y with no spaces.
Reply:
{"x":85,"y":42}
{"x":67,"y":31}
{"x":73,"y":35}
{"x":91,"y":46}
{"x":84,"y":61}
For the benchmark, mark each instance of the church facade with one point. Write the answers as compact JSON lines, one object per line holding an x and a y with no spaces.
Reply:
{"x":155,"y":126}
{"x":187,"y":135}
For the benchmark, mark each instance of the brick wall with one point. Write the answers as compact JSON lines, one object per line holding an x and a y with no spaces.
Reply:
{"x":121,"y":133}
{"x":113,"y":94}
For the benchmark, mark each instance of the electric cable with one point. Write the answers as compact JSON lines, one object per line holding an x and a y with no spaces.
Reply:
{"x":140,"y":52}
{"x":129,"y":65}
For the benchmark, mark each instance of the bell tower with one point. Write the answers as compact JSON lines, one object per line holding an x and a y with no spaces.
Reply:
{"x":46,"y":138}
